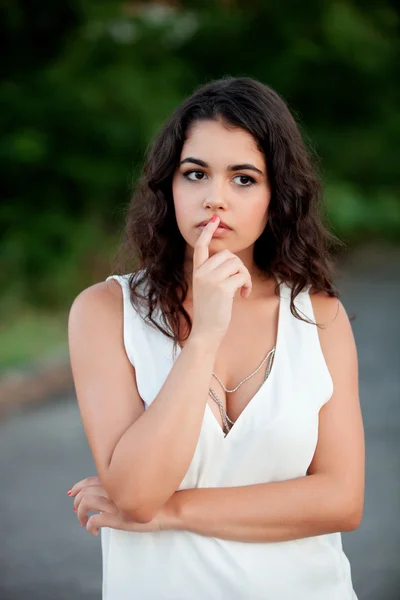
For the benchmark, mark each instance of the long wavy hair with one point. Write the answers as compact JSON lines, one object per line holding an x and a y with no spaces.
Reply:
{"x":295,"y":245}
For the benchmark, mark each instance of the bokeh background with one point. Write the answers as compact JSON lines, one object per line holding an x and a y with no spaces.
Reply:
{"x":85,"y":86}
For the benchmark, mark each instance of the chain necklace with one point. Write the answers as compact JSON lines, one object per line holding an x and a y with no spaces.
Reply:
{"x":227,"y":422}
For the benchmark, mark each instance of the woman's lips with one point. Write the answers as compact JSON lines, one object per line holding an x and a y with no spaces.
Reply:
{"x":220,"y":226}
{"x":220,"y":231}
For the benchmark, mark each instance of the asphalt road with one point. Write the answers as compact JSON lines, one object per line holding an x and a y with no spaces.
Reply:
{"x":45,"y":555}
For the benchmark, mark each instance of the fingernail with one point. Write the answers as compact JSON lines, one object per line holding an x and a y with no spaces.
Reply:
{"x":69,"y":492}
{"x":214,"y":219}
{"x":74,"y":509}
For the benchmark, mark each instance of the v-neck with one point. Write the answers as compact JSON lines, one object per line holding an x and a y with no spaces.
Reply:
{"x":264,"y":386}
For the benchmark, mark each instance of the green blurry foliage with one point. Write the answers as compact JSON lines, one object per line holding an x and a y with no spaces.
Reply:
{"x":87,"y":84}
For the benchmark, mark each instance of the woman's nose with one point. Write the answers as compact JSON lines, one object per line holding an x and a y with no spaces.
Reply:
{"x":215,"y":199}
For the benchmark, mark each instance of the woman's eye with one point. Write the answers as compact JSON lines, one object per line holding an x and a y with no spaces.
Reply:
{"x":241,"y":180}
{"x":244,"y":180}
{"x":194,"y":175}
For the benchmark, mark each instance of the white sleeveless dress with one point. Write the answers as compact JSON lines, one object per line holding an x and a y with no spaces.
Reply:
{"x":273,"y":439}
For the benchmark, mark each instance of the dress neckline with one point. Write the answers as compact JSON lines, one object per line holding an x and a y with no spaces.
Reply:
{"x":265,"y":385}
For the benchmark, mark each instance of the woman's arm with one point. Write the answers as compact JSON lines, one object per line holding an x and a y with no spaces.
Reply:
{"x":330,"y":498}
{"x":140,"y":456}
{"x":266,"y":512}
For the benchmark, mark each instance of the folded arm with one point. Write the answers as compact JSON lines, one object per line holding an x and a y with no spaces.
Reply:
{"x":330,"y":497}
{"x":139,"y":468}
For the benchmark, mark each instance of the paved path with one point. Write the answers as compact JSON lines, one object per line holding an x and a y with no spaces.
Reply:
{"x":45,"y":555}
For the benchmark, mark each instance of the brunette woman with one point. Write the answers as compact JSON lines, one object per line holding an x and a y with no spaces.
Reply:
{"x":217,"y":377}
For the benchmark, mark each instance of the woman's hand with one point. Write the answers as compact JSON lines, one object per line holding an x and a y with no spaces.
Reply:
{"x":216,"y":280}
{"x":90,"y":495}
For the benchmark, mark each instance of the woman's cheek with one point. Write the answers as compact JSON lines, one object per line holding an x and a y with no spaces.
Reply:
{"x":185,"y":223}
{"x":185,"y":208}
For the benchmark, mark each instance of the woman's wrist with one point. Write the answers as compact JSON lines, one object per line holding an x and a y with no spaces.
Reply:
{"x":172,"y":514}
{"x":206,"y":343}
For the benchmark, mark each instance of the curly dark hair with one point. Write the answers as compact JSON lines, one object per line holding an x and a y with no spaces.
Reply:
{"x":295,"y":245}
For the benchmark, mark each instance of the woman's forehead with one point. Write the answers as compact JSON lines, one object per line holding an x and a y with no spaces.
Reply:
{"x":213,"y":141}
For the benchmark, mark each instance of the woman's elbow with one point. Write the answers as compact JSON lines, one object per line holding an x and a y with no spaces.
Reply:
{"x":137,"y":514}
{"x":126,"y":500}
{"x":132,"y":503}
{"x":352,"y":517}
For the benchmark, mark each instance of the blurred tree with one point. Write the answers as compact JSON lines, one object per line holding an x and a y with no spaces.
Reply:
{"x":87,"y":83}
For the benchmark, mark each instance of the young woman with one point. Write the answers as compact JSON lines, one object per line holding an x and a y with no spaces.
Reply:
{"x":217,"y":380}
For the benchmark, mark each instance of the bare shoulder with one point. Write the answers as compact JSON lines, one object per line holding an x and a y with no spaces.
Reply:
{"x":99,"y":297}
{"x":334,"y":324}
{"x":326,"y":308}
{"x":104,"y":377}
{"x":96,"y":316}
{"x":95,"y":321}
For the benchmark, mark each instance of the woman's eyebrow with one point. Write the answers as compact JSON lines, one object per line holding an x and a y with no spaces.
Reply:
{"x":202,"y":163}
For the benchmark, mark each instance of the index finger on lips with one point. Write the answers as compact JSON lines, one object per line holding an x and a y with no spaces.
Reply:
{"x":201,"y":252}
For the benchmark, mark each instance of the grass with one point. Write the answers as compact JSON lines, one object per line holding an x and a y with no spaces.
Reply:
{"x":31,"y":337}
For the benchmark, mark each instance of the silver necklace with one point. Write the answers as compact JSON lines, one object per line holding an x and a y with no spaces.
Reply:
{"x":227,"y":422}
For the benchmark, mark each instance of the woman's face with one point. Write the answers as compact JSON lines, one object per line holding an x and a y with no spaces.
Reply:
{"x":221,"y":172}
